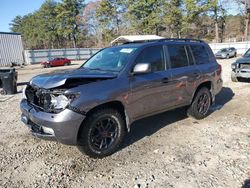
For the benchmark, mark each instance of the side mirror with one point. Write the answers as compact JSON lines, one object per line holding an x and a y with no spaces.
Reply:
{"x":142,"y":68}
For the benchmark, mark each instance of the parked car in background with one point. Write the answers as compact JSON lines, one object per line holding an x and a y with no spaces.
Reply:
{"x":226,"y":53}
{"x":241,"y":68}
{"x":94,"y":106}
{"x":59,"y":61}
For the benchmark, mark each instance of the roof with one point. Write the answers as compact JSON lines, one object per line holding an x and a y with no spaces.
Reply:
{"x":135,"y":38}
{"x":10,"y":33}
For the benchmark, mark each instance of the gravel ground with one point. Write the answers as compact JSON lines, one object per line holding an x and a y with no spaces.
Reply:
{"x":167,"y":150}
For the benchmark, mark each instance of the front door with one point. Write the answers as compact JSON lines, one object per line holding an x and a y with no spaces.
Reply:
{"x":185,"y":74}
{"x":151,"y":92}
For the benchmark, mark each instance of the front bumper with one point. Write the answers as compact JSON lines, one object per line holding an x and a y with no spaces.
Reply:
{"x":62,"y":127}
{"x":220,"y":57}
{"x":242,"y":73}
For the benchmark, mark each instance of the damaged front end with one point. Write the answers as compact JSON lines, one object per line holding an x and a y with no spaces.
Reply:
{"x":241,"y":70}
{"x":49,"y":105}
{"x":48,"y":114}
{"x":49,"y":100}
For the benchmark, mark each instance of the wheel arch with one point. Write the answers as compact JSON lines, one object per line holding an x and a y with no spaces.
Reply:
{"x":118,"y":105}
{"x":207,"y":84}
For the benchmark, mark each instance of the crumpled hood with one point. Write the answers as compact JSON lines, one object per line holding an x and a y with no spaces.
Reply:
{"x":243,"y":60}
{"x":59,"y":78}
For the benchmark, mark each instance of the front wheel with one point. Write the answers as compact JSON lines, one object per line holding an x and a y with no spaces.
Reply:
{"x":199,"y":108}
{"x":102,"y":133}
{"x":233,"y":77}
{"x":47,"y":65}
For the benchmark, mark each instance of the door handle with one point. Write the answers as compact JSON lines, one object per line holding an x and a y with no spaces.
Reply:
{"x":165,"y":80}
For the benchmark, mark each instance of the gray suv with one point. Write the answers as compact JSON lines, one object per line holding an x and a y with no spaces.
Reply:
{"x":93,"y":106}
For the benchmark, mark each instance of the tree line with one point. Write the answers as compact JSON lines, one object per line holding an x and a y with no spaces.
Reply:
{"x":74,"y":23}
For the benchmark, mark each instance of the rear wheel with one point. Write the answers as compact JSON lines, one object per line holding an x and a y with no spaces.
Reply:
{"x":199,"y":108}
{"x":102,"y":133}
{"x":68,"y":63}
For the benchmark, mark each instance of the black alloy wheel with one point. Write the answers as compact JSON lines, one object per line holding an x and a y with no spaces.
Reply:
{"x":199,"y":108}
{"x":102,"y":133}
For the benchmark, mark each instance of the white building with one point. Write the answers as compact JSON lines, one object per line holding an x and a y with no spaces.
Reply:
{"x":11,"y":49}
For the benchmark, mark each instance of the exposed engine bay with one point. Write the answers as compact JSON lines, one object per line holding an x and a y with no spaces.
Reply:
{"x":52,"y":101}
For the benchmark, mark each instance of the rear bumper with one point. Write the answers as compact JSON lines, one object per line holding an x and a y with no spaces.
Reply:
{"x":217,"y":86}
{"x":62,"y":127}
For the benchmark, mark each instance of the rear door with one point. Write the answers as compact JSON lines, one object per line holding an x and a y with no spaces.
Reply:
{"x":185,"y":74}
{"x":206,"y":64}
{"x":60,"y":61}
{"x":151,"y":92}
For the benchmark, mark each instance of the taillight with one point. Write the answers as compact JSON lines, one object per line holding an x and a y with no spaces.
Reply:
{"x":219,"y":70}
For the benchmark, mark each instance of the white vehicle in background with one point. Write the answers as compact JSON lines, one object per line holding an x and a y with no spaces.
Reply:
{"x":226,"y":53}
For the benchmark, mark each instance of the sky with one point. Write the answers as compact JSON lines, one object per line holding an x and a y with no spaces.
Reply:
{"x":9,"y":9}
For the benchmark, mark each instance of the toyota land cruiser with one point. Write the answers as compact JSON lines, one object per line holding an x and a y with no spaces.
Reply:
{"x":94,"y":106}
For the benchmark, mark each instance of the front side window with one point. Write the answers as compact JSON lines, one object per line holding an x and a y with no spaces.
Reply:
{"x":153,"y":55}
{"x":200,"y":54}
{"x":178,"y":56}
{"x":224,"y":50}
{"x":110,"y":59}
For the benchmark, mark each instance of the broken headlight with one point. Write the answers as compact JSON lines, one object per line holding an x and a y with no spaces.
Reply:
{"x":23,"y":92}
{"x":59,"y":102}
{"x":233,"y":66}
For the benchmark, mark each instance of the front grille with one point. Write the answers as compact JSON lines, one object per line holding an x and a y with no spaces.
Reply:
{"x":245,"y":66}
{"x":38,"y":97}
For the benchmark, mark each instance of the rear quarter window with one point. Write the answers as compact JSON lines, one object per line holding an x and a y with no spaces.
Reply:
{"x":200,"y":54}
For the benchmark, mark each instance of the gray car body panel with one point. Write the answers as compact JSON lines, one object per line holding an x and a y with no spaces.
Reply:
{"x":58,"y":78}
{"x":141,"y":95}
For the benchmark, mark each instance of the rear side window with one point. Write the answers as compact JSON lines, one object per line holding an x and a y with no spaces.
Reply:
{"x":178,"y":56}
{"x":153,"y":55}
{"x":200,"y":54}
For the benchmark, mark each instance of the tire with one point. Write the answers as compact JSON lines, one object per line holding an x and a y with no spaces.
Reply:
{"x":234,"y":78}
{"x":200,"y":109}
{"x":102,"y":133}
{"x":235,"y":54}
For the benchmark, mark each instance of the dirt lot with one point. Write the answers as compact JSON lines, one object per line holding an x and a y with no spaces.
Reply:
{"x":167,"y":150}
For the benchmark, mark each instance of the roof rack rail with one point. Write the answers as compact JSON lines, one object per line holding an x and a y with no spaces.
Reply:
{"x":181,"y":39}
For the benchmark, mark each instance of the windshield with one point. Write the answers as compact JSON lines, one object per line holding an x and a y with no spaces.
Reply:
{"x":223,"y":50}
{"x":247,"y":54}
{"x":110,"y":59}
